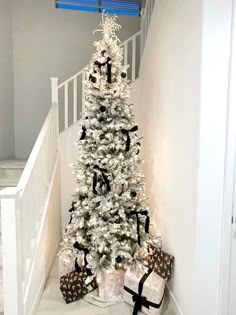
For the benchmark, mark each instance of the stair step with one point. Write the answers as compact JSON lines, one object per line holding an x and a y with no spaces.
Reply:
{"x":10,"y":172}
{"x":13,"y":164}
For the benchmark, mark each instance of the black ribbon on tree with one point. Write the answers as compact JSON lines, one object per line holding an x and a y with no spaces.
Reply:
{"x":86,"y":251}
{"x":104,"y":176}
{"x":147,"y":222}
{"x":140,"y":300}
{"x":72,"y":206}
{"x":108,"y":63}
{"x":126,"y":132}
{"x":83,"y":133}
{"x":72,"y":209}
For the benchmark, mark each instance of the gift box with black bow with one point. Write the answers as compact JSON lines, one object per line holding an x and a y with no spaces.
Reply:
{"x":144,"y":289}
{"x":73,"y":285}
{"x":159,"y":261}
{"x":67,"y":262}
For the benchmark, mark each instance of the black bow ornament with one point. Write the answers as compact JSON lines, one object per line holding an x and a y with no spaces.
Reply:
{"x":147,"y":222}
{"x":72,"y":206}
{"x":86,"y":251}
{"x":72,"y":209}
{"x":104,"y":178}
{"x":126,"y":132}
{"x":108,"y":63}
{"x":83,"y":135}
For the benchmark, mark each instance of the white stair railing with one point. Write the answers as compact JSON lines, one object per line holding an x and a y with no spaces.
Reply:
{"x":132,"y":52}
{"x":21,"y":211}
{"x":146,"y":15}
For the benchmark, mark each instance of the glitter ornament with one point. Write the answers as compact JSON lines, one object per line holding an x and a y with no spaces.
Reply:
{"x":102,"y":109}
{"x":118,"y":259}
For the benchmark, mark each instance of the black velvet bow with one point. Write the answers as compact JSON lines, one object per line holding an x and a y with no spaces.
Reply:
{"x":104,"y":176}
{"x":83,"y":133}
{"x":72,"y":206}
{"x":140,"y":300}
{"x":126,"y":132}
{"x":108,"y":63}
{"x":147,"y":222}
{"x":72,"y":209}
{"x":86,"y":251}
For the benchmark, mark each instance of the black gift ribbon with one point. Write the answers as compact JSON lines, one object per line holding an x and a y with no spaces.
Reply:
{"x":83,"y":133}
{"x":147,"y":222}
{"x":108,"y":63}
{"x":126,"y":132}
{"x":86,"y":251}
{"x":104,"y":176}
{"x":140,"y":300}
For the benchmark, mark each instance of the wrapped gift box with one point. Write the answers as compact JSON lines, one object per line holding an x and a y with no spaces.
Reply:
{"x":73,"y":287}
{"x":110,"y":285}
{"x":159,"y":261}
{"x":144,"y":289}
{"x":67,"y":261}
{"x":66,"y":266}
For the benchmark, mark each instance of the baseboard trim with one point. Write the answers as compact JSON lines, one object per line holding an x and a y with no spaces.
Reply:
{"x":174,"y":303}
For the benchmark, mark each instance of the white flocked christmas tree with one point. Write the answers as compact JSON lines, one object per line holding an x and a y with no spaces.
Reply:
{"x":109,"y":217}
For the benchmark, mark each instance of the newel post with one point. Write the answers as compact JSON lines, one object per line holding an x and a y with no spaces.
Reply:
{"x":54,"y":90}
{"x":12,"y":251}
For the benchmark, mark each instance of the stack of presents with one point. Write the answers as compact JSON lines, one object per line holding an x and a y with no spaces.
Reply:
{"x":143,"y":287}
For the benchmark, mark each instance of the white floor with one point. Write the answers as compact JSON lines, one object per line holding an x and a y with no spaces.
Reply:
{"x":52,"y":302}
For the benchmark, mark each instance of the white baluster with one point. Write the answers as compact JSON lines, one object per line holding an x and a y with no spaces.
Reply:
{"x":75,"y":99}
{"x":54,"y":90}
{"x":83,"y":92}
{"x":126,"y":53}
{"x":66,"y":104}
{"x":144,"y":25}
{"x":133,"y":58}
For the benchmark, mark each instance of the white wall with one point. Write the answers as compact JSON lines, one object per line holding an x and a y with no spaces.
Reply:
{"x":48,"y":42}
{"x":7,"y":146}
{"x":216,"y":42}
{"x":183,"y":107}
{"x":169,"y":107}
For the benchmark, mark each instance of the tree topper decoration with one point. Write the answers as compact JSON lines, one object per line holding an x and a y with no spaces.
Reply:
{"x":108,"y":27}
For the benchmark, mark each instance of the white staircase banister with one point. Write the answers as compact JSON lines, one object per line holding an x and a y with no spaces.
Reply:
{"x":71,"y":78}
{"x":81,"y":71}
{"x":21,"y":210}
{"x":130,"y":38}
{"x":34,"y":153}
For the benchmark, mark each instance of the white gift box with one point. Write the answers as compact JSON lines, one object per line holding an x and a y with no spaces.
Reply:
{"x":144,"y":289}
{"x":110,"y":285}
{"x":65,"y":265}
